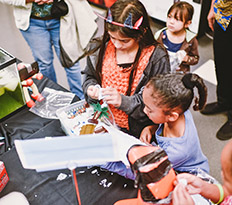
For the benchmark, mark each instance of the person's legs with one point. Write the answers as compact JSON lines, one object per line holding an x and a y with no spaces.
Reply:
{"x":222,"y":46}
{"x":39,"y":40}
{"x":75,"y":80}
{"x":222,"y":58}
{"x":224,"y":75}
{"x":225,"y":132}
{"x":73,"y":73}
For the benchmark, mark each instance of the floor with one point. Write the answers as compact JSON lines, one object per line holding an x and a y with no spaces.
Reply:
{"x":12,"y":41}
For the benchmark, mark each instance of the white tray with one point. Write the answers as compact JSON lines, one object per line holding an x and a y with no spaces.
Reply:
{"x":74,"y":116}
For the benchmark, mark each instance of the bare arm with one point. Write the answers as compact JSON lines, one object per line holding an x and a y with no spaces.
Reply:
{"x":195,"y":185}
{"x":147,"y":133}
{"x":211,"y":17}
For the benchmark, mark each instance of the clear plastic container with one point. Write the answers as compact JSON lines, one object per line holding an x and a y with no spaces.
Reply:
{"x":11,"y":94}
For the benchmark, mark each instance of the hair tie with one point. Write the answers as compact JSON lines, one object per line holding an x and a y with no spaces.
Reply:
{"x":187,"y":81}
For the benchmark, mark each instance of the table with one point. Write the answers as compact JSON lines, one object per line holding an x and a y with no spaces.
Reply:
{"x":96,"y":186}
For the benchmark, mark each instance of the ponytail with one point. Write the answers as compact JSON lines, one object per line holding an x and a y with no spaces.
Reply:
{"x":190,"y":81}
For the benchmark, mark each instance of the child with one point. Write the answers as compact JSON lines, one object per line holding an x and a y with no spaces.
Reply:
{"x":180,"y":42}
{"x":216,"y":193}
{"x":123,"y":62}
{"x":167,"y":99}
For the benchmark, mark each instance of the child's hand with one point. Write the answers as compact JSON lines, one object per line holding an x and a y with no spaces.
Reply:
{"x":93,"y":92}
{"x":180,"y":196}
{"x":112,"y":96}
{"x":194,"y":183}
{"x":181,"y":55}
{"x":146,"y":134}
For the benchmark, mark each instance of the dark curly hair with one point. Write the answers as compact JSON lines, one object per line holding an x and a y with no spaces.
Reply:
{"x":177,"y":90}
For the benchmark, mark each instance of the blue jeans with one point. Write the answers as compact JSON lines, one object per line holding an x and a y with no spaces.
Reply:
{"x":41,"y":36}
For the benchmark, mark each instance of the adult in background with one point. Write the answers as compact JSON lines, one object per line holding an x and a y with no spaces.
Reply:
{"x":219,"y":19}
{"x":42,"y":32}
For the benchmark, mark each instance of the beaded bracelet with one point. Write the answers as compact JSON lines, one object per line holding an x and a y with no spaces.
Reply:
{"x":221,"y":193}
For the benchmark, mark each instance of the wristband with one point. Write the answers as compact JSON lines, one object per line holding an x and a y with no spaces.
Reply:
{"x":221,"y":193}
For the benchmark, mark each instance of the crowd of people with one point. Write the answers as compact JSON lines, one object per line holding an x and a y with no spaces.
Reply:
{"x":145,"y":79}
{"x":156,"y":97}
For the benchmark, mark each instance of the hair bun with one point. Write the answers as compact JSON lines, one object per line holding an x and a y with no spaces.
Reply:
{"x":188,"y":83}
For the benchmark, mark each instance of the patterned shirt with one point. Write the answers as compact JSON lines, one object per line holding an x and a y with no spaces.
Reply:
{"x":118,"y":77}
{"x":223,"y":12}
{"x":227,"y":201}
{"x":41,"y":11}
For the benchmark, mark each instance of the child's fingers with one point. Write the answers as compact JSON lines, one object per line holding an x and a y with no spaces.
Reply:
{"x":109,"y":91}
{"x":189,"y":177}
{"x":145,"y":138}
{"x":93,"y":92}
{"x":181,"y":196}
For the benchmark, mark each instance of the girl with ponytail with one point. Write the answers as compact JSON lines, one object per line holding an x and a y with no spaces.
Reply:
{"x":167,"y":99}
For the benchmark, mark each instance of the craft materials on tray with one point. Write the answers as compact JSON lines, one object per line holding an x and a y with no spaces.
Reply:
{"x":81,"y":118}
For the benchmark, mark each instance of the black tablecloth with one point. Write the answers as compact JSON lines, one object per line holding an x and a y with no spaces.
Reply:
{"x":45,"y":188}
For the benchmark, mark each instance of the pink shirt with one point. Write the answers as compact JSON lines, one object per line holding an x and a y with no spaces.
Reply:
{"x":227,"y":201}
